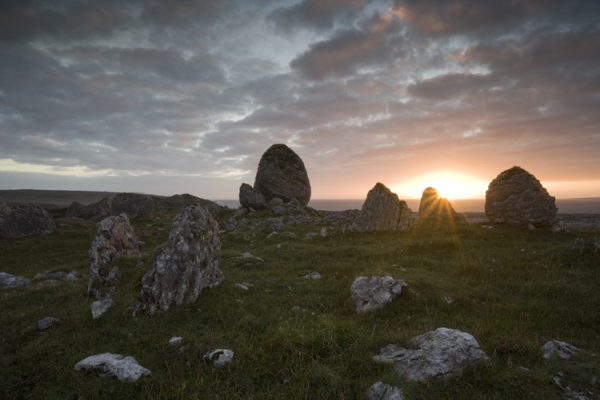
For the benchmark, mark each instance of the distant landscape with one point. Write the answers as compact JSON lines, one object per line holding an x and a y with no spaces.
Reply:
{"x":63,"y":198}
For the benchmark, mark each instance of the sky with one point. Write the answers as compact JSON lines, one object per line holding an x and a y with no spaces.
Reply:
{"x":176,"y":96}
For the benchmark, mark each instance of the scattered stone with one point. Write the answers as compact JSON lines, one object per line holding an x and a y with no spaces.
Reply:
{"x":101,"y":209}
{"x":435,"y":207}
{"x":584,"y":244}
{"x":219,"y":357}
{"x":4,"y":209}
{"x":382,"y":211}
{"x":99,"y":307}
{"x":281,"y":173}
{"x":248,"y":255}
{"x":275,"y":201}
{"x":187,"y":264}
{"x":345,"y":217}
{"x":270,"y":235}
{"x":517,"y":198}
{"x":135,"y":205}
{"x":241,"y":286}
{"x":250,"y":197}
{"x":375,"y":293}
{"x":114,"y":238}
{"x":291,"y":208}
{"x":382,"y":391}
{"x":563,"y":349}
{"x":448,"y":299}
{"x":240,"y":212}
{"x":559,"y":226}
{"x":313,"y":275}
{"x":126,"y":369}
{"x":8,"y":281}
{"x":26,"y":220}
{"x":299,"y":309}
{"x":175,"y":340}
{"x":47,"y":322}
{"x":440,"y":353}
{"x":531,"y":227}
{"x":323,"y":232}
{"x":62,"y":275}
{"x":487,"y":226}
{"x":311,"y":235}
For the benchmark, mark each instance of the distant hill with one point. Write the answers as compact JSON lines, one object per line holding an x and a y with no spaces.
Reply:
{"x":59,"y":198}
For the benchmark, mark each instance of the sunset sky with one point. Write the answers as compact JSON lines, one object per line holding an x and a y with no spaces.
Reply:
{"x":177,"y":96}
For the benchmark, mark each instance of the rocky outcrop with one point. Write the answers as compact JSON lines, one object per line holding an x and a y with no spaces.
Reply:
{"x":4,"y":210}
{"x":27,"y":220}
{"x":180,"y":201}
{"x":114,"y":238}
{"x":250,"y":197}
{"x":375,"y":293}
{"x":435,"y":207}
{"x":101,"y":209}
{"x":8,"y":281}
{"x":563,"y":349}
{"x":440,"y":353}
{"x":382,"y":391}
{"x":382,"y":211}
{"x":281,"y":173}
{"x":585,"y":244}
{"x":126,"y":369}
{"x":135,"y":205}
{"x":517,"y":198}
{"x":186,"y":265}
{"x":345,"y":217}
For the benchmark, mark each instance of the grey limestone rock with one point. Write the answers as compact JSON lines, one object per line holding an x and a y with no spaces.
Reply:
{"x":126,"y":369}
{"x":101,"y":209}
{"x":382,"y":391}
{"x":517,"y":198}
{"x":382,"y":211}
{"x":219,"y":357}
{"x":291,"y":208}
{"x":100,"y":307}
{"x":250,"y":197}
{"x":440,"y":353}
{"x":584,"y":244}
{"x":375,"y":293}
{"x":4,"y":209}
{"x":47,"y":322}
{"x":281,"y":173}
{"x":563,"y":349}
{"x":187,"y":264}
{"x":114,"y":238}
{"x":8,"y":281}
{"x":27,"y":220}
{"x":345,"y":217}
{"x":135,"y":205}
{"x":435,"y":207}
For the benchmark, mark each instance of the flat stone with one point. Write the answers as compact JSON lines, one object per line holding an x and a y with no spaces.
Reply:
{"x":175,"y":340}
{"x":126,"y":369}
{"x":47,"y":322}
{"x":219,"y":357}
{"x":8,"y":281}
{"x":376,"y":292}
{"x":563,"y":349}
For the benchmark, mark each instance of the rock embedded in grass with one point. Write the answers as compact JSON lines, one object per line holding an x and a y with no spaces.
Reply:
{"x":584,"y":244}
{"x":440,"y":353}
{"x":382,"y":391}
{"x":47,"y":322}
{"x":219,"y":357}
{"x":376,"y":292}
{"x":126,"y":369}
{"x":27,"y":220}
{"x":563,"y":349}
{"x":8,"y":281}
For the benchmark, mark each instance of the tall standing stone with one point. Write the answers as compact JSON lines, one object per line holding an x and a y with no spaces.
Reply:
{"x":435,"y":207}
{"x":187,"y":264}
{"x":517,"y":198}
{"x":382,"y":211}
{"x":281,"y":173}
{"x":27,"y":220}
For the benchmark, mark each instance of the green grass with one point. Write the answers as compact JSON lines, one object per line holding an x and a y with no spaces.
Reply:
{"x":513,"y":290}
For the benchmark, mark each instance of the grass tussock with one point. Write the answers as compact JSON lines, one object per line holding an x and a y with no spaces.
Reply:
{"x":512,"y":289}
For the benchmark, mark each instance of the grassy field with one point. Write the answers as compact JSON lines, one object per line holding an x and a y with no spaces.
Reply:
{"x":513,"y":290}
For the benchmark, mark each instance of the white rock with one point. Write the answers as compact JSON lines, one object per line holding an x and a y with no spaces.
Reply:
{"x":531,"y":227}
{"x":313,"y":275}
{"x":241,"y":286}
{"x":175,"y":340}
{"x":375,"y":293}
{"x":564,"y":350}
{"x":311,"y":234}
{"x":323,"y":231}
{"x":250,"y":256}
{"x":8,"y":281}
{"x":219,"y":357}
{"x":99,"y":307}
{"x":382,"y":391}
{"x":126,"y":369}
{"x":439,"y":353}
{"x":47,"y":322}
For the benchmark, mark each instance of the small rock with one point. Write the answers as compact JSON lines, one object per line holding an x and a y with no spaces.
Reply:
{"x":113,"y":275}
{"x":270,"y":235}
{"x":559,"y":226}
{"x":8,"y":281}
{"x":299,"y":309}
{"x":375,"y":293}
{"x":531,"y":227}
{"x":310,"y":235}
{"x":99,"y":307}
{"x":219,"y":357}
{"x":126,"y":369}
{"x":175,"y":340}
{"x":584,"y":244}
{"x":241,"y":286}
{"x":382,"y":391}
{"x":564,"y":350}
{"x":240,"y":212}
{"x":47,"y":322}
{"x":448,"y":299}
{"x":248,"y":255}
{"x":313,"y":275}
{"x":323,"y":231}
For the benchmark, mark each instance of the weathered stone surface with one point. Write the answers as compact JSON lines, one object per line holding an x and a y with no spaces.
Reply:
{"x":4,"y":209}
{"x":250,"y":197}
{"x":27,"y":220}
{"x":345,"y":217}
{"x":101,"y":209}
{"x":63,"y":275}
{"x":219,"y":357}
{"x":135,"y":205}
{"x":8,"y":281}
{"x":100,"y":307}
{"x":47,"y":322}
{"x":291,"y":208}
{"x":114,"y":238}
{"x":175,"y":340}
{"x":584,"y":244}
{"x":382,"y":391}
{"x":559,"y":226}
{"x":440,"y":353}
{"x":281,"y":173}
{"x":187,"y":264}
{"x":375,"y":293}
{"x":382,"y":211}
{"x":517,"y":198}
{"x":435,"y":207}
{"x":563,"y":349}
{"x":126,"y":369}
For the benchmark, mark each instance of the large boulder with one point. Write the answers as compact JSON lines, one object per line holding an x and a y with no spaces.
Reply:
{"x":375,"y":293}
{"x":435,"y":207}
{"x":517,"y":198}
{"x":187,"y":264}
{"x":440,"y":353}
{"x":101,"y":209}
{"x":4,"y":210}
{"x":114,"y":238}
{"x":281,"y":173}
{"x":250,"y":197}
{"x":382,"y":211}
{"x":135,"y":205}
{"x":27,"y":220}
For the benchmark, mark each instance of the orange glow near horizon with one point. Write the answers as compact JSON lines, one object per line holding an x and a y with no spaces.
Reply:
{"x":450,"y":185}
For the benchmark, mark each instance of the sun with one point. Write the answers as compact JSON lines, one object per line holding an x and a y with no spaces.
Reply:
{"x":449,"y":184}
